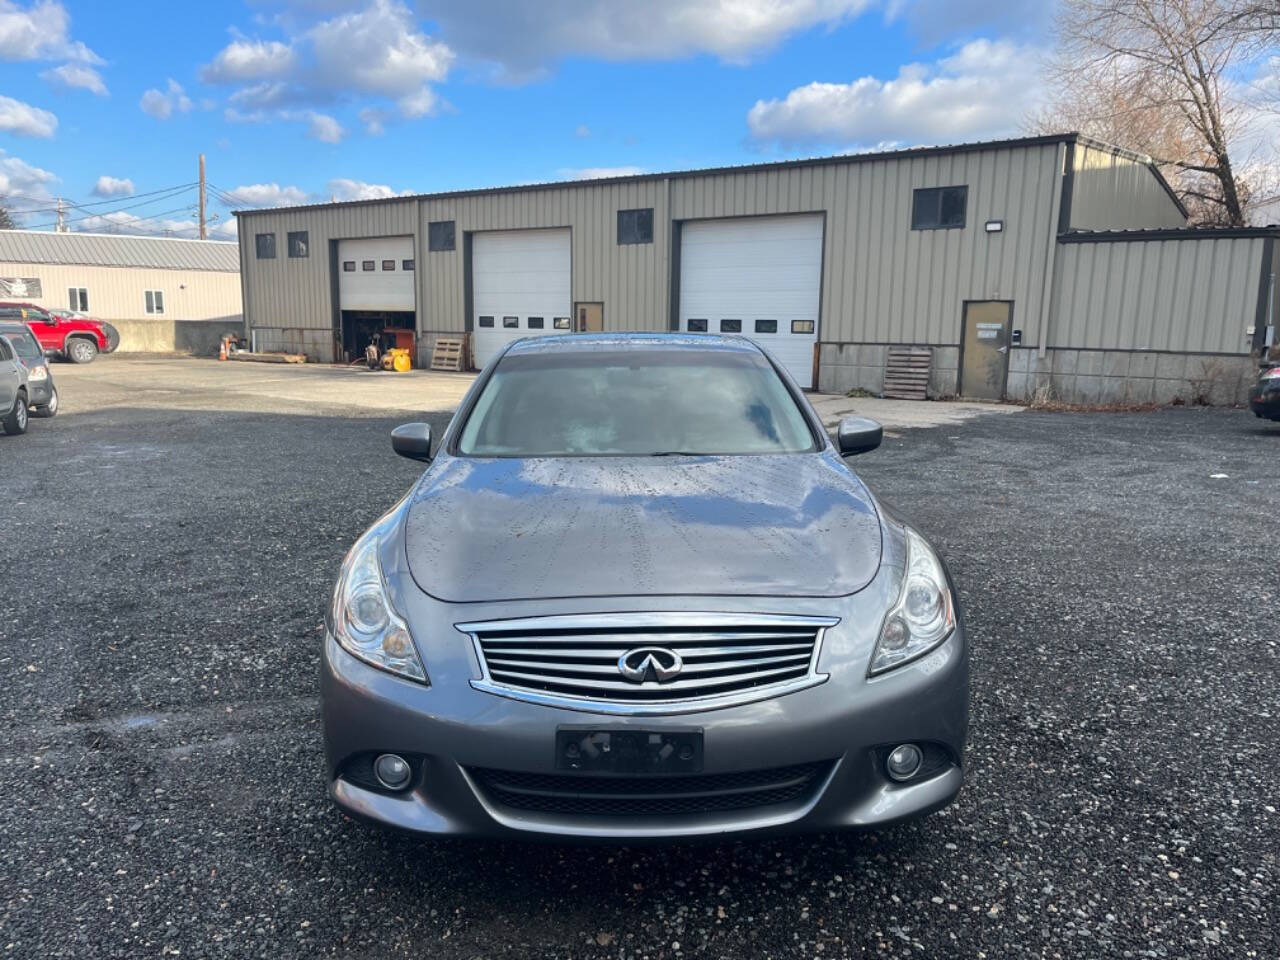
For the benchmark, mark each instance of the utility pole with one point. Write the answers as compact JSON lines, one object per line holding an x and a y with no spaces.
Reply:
{"x":61,"y":226}
{"x":202,"y":231}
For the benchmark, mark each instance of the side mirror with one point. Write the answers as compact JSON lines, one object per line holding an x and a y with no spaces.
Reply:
{"x":412,"y":440}
{"x":858,"y":435}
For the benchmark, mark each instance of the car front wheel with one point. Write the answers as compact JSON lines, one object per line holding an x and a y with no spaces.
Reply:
{"x":81,"y":350}
{"x":49,"y":409}
{"x":15,"y":421}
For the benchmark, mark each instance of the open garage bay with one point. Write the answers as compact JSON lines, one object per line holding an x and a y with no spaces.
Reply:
{"x":169,"y":542}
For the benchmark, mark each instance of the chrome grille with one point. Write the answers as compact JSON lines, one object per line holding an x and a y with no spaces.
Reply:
{"x":574,"y":661}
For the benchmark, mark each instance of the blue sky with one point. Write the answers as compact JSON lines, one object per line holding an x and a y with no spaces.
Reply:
{"x":297,"y":100}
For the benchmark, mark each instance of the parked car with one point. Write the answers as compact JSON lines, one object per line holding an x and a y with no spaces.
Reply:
{"x":1264,"y":398}
{"x":42,"y":396}
{"x":638,"y":593}
{"x":13,"y":389}
{"x":60,"y":334}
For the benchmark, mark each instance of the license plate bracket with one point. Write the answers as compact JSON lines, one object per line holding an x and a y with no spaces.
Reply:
{"x":627,"y":751}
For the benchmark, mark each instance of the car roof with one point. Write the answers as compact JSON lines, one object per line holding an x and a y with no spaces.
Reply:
{"x":588,"y":342}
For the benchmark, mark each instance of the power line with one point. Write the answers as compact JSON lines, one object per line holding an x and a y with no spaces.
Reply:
{"x":90,"y":203}
{"x":104,"y":216}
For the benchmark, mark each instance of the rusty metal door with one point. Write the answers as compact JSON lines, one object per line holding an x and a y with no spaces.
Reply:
{"x":984,"y":355}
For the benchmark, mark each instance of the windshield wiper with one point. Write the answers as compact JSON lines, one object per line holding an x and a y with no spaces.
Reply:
{"x":680,"y":453}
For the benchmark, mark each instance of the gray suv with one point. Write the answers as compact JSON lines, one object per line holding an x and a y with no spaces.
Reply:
{"x":639,"y":593}
{"x":42,"y":394}
{"x":13,"y":390}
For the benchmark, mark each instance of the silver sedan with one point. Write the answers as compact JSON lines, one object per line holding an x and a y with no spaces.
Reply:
{"x":639,"y":593}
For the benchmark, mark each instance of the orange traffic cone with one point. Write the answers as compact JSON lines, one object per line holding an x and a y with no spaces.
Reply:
{"x":222,"y":349}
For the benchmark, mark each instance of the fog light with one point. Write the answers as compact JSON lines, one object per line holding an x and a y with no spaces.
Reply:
{"x":393,"y":771}
{"x":904,"y":762}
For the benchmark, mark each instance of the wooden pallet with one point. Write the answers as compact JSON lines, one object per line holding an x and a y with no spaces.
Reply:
{"x":448,"y":353}
{"x":906,"y":373}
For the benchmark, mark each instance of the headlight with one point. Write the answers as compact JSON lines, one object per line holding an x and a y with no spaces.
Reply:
{"x":924,"y":615}
{"x":38,"y":373}
{"x":364,"y":622}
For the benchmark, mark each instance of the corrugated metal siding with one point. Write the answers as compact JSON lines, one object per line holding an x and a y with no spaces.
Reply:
{"x":1194,"y":295}
{"x":1112,"y":192}
{"x":630,"y":279}
{"x":106,"y":250}
{"x":295,"y":292}
{"x":884,"y":282}
{"x":118,"y":293}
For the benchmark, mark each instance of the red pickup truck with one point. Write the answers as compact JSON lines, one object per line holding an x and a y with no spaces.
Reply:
{"x":62,"y":333}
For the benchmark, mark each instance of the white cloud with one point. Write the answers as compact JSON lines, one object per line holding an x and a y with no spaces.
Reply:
{"x":245,"y":59}
{"x":22,"y":119}
{"x":344,"y":189}
{"x":935,"y":22}
{"x":162,"y":104}
{"x":267,"y":195}
{"x":374,"y":120}
{"x":113,"y":187}
{"x":378,"y":51}
{"x":39,"y":32}
{"x":599,"y":173}
{"x":980,"y":91}
{"x":324,"y":128}
{"x":523,"y":38}
{"x":24,"y":186}
{"x":583,"y":131}
{"x":76,"y":76}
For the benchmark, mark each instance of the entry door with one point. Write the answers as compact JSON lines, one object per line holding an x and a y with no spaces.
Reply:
{"x":984,"y":362}
{"x":590,"y":317}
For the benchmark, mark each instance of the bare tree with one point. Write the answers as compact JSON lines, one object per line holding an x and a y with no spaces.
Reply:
{"x":1160,"y":76}
{"x":6,"y":219}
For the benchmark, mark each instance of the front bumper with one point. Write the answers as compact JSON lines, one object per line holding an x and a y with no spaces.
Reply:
{"x":1264,"y":399}
{"x":39,"y":392}
{"x":451,"y":730}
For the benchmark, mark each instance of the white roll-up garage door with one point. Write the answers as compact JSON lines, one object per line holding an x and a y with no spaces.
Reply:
{"x":519,"y":287}
{"x":376,"y":274}
{"x":758,"y":276}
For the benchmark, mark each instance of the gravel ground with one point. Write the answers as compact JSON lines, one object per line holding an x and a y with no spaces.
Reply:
{"x":165,"y":564}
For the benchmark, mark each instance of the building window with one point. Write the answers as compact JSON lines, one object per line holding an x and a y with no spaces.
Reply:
{"x":635,"y":226}
{"x":367,"y":266}
{"x":388,"y":264}
{"x":535,"y":323}
{"x":78,"y":298}
{"x":511,"y":323}
{"x":266,"y":246}
{"x":560,"y":323}
{"x":730,"y":326}
{"x":486,"y":321}
{"x":155,"y":301}
{"x":406,"y":264}
{"x":938,"y":208}
{"x":802,"y":326}
{"x":348,"y":266}
{"x":766,"y":326}
{"x":298,"y":245}
{"x":441,"y":235}
{"x":697,"y":326}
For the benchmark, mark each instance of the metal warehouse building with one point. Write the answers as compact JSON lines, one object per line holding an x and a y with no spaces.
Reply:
{"x":1049,"y":261}
{"x":160,"y":293}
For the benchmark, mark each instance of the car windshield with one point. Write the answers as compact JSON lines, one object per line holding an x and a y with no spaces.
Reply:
{"x":634,"y":403}
{"x":23,"y":343}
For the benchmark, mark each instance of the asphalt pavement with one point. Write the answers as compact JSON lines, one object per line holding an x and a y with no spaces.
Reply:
{"x":166,"y":557}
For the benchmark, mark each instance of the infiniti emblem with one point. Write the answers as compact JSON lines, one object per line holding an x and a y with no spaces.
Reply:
{"x":650,"y":663}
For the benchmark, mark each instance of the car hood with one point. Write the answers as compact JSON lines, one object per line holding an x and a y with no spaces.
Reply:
{"x":513,"y":529}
